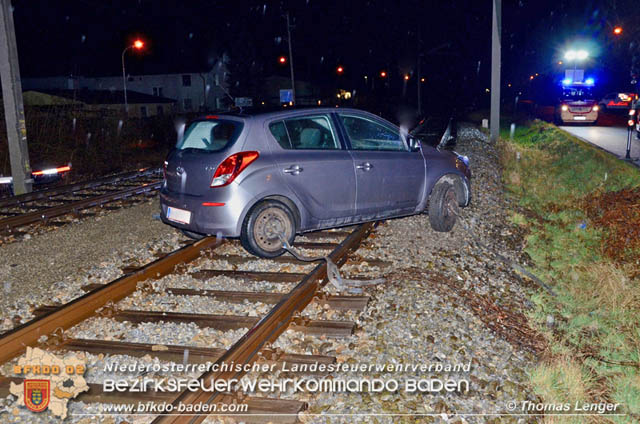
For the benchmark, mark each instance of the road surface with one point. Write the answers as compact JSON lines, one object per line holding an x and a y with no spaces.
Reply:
{"x":611,"y":139}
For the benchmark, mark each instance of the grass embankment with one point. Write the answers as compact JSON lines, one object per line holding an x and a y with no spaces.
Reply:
{"x":581,"y":209}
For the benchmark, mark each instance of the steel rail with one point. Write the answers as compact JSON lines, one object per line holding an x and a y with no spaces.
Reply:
{"x":7,"y":224}
{"x":14,"y":342}
{"x":83,"y":185}
{"x":267,"y":330}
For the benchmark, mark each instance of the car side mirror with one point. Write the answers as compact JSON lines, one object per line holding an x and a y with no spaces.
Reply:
{"x":414,"y":144}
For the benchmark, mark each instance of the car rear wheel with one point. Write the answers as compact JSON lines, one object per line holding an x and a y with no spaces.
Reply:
{"x":443,"y":207}
{"x":262,"y":227}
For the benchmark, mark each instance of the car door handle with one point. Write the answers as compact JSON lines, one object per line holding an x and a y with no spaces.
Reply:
{"x":293,"y":170}
{"x":364,"y":166}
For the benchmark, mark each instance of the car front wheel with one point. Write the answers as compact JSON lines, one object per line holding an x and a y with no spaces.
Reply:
{"x":443,"y":207}
{"x":263,"y":226}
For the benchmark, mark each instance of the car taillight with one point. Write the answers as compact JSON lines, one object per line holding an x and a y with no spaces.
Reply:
{"x":231,"y":167}
{"x":164,"y":169}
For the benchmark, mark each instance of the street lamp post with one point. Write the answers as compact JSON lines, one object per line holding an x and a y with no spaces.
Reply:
{"x":138,"y":44}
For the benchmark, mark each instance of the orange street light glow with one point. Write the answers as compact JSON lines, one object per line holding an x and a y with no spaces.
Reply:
{"x":406,"y":77}
{"x":383,"y":74}
{"x":617,"y":30}
{"x":282,"y":59}
{"x":339,"y":69}
{"x":138,"y":44}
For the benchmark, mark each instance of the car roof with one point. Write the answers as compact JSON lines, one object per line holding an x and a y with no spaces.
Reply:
{"x":267,"y":114}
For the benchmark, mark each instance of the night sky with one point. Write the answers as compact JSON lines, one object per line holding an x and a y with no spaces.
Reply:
{"x":364,"y":36}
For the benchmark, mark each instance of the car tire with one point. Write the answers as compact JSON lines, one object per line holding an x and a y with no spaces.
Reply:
{"x":192,"y":235}
{"x":638,"y":134}
{"x":259,"y":235}
{"x":443,"y":207}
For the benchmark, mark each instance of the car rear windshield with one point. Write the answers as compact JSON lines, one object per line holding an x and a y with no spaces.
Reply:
{"x":211,"y":136}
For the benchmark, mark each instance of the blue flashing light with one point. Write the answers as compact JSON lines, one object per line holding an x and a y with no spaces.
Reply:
{"x":589,"y":81}
{"x":567,"y":81}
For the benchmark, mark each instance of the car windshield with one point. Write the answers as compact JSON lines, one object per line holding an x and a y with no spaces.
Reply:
{"x":210,"y":135}
{"x":576,"y":93}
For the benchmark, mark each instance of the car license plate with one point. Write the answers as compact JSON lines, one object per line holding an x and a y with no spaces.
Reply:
{"x":178,"y":215}
{"x":579,"y":118}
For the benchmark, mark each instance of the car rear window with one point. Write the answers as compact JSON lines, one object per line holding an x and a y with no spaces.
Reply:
{"x":305,"y":133}
{"x":210,"y":135}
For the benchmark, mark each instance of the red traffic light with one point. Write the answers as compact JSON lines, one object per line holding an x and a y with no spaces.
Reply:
{"x":631,"y":122}
{"x":383,"y":74}
{"x":282,"y":59}
{"x":339,"y":69}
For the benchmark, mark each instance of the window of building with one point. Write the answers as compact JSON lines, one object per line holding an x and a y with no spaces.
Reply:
{"x":157,"y":91}
{"x":186,"y":80}
{"x":188,"y":104}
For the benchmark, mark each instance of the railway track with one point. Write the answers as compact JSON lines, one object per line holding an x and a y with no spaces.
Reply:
{"x":207,"y":260}
{"x":45,"y":205}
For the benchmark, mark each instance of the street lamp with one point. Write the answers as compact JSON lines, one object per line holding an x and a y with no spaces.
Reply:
{"x":137,"y":44}
{"x":617,"y":30}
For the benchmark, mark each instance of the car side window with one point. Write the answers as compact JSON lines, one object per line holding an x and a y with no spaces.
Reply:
{"x":279,"y":132}
{"x":314,"y":133}
{"x":366,"y":134}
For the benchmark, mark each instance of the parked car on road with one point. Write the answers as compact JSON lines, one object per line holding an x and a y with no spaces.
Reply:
{"x":263,"y":176}
{"x":616,"y":101}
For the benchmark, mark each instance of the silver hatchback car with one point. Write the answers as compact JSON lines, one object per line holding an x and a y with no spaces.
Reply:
{"x":266,"y":176}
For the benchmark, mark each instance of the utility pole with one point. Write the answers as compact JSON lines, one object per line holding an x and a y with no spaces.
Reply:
{"x":419,"y":78}
{"x":13,"y":105}
{"x":495,"y":71}
{"x":293,"y":83}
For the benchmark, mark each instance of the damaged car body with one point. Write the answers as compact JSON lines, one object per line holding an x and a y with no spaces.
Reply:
{"x":267,"y":176}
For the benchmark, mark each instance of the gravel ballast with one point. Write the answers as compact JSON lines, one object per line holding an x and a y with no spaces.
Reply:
{"x":420,"y":315}
{"x":51,"y":267}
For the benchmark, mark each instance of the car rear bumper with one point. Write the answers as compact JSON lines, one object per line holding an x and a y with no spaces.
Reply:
{"x":219,"y":213}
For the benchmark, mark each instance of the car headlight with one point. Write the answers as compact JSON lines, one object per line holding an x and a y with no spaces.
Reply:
{"x":596,"y":108}
{"x":565,"y":108}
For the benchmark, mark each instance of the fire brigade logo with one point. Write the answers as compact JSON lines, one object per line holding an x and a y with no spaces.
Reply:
{"x":36,"y":394}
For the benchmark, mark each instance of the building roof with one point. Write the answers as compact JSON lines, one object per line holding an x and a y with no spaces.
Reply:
{"x":102,"y":97}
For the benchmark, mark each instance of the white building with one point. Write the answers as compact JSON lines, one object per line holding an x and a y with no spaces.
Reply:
{"x":193,"y":91}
